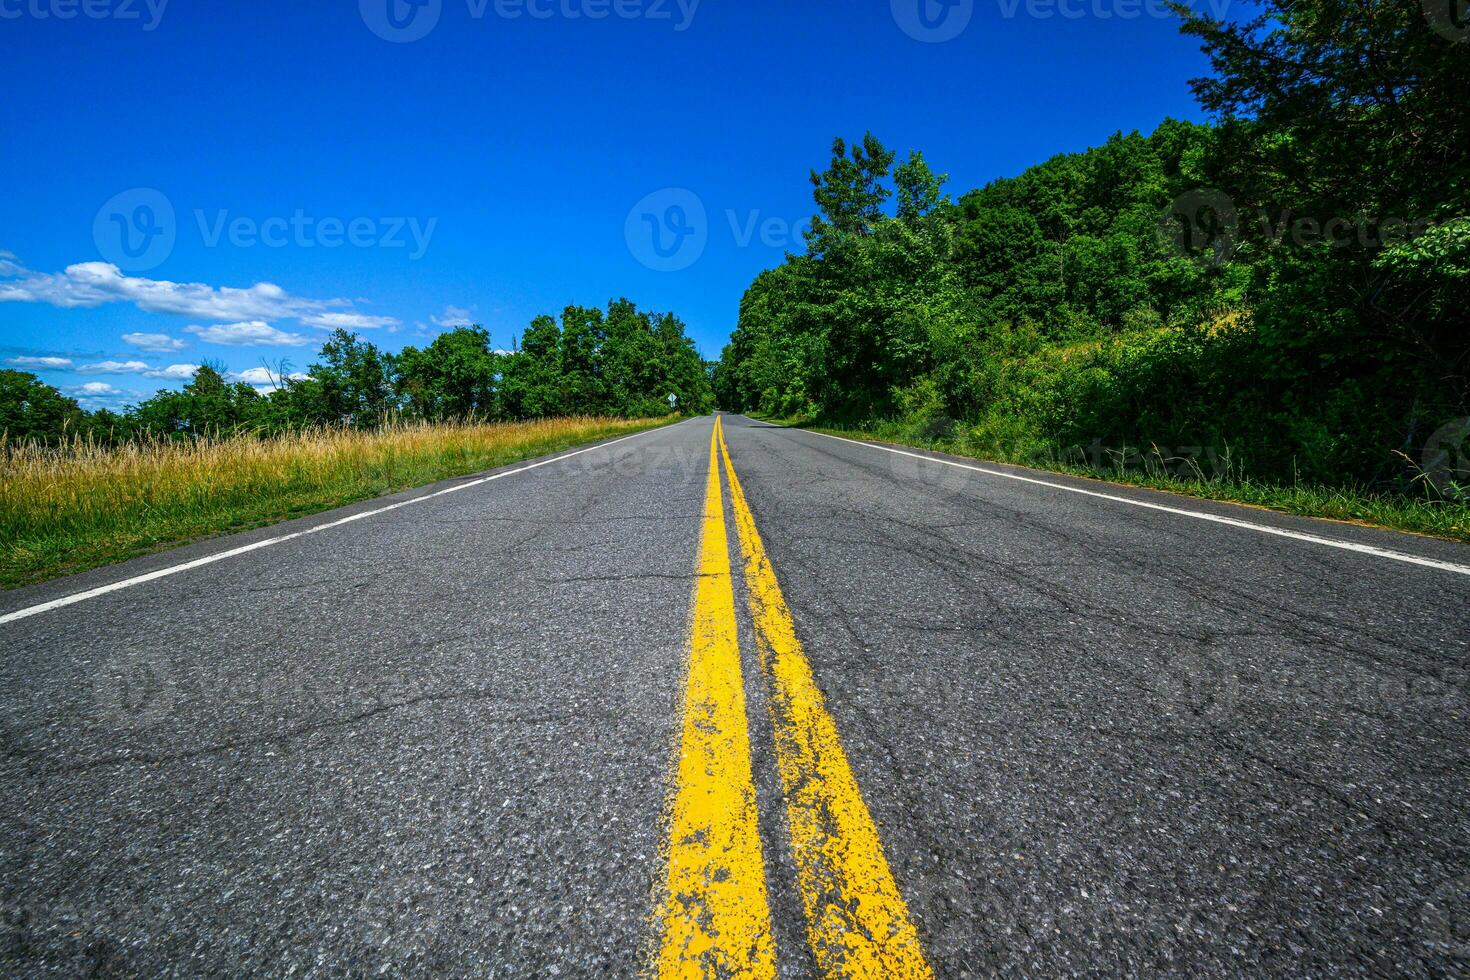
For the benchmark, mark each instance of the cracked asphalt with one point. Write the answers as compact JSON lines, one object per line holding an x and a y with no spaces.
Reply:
{"x":1096,"y":739}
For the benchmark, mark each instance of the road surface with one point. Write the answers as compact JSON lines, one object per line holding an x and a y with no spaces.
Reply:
{"x":804,"y":707}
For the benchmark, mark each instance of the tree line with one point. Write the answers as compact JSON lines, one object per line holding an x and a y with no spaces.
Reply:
{"x":615,"y":362}
{"x":1289,"y":284}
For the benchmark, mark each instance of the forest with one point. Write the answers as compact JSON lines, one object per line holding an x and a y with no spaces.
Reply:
{"x":1282,"y":291}
{"x":621,"y":362}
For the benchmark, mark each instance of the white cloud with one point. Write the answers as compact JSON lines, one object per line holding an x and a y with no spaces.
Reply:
{"x":114,"y":367}
{"x":253,"y":333}
{"x":99,"y":394}
{"x":158,"y":343}
{"x":92,"y":284}
{"x":454,"y":316}
{"x":264,"y":378}
{"x":174,"y":372}
{"x":348,"y":321}
{"x":40,"y":362}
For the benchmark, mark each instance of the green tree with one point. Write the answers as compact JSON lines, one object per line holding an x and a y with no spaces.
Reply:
{"x":352,"y":385}
{"x":582,"y":388}
{"x":531,"y":386}
{"x":31,"y":410}
{"x":920,"y":190}
{"x":454,"y":377}
{"x":849,"y":193}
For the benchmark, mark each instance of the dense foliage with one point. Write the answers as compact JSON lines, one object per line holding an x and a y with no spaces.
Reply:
{"x":622,"y":362}
{"x":1289,"y":285}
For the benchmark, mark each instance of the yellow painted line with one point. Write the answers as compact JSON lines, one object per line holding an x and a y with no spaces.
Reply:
{"x":714,"y":917}
{"x":857,"y":922}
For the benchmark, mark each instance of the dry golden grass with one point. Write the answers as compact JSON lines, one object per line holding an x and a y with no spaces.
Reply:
{"x":82,"y":505}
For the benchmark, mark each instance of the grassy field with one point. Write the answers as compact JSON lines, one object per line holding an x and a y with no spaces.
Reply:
{"x":1428,"y":514}
{"x":66,"y":510}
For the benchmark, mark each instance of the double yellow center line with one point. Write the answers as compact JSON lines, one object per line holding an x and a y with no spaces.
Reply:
{"x":714,"y":916}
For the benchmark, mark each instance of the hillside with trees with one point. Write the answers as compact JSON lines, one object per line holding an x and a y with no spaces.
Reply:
{"x":1286,"y":288}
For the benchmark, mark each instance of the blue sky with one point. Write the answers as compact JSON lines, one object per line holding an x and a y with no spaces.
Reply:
{"x":326,"y":165}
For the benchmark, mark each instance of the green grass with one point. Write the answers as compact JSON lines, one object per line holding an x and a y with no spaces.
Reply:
{"x":1428,"y":514}
{"x":66,"y":510}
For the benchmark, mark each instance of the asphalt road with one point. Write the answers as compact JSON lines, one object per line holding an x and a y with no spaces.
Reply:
{"x":1094,"y":737}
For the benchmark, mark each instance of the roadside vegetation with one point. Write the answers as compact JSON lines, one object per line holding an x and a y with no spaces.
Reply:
{"x":83,"y":488}
{"x":1276,"y":302}
{"x":66,"y":508}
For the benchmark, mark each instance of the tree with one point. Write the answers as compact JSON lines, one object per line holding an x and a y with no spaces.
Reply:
{"x":582,"y":333}
{"x":531,"y":386}
{"x":920,"y":190}
{"x":353,"y":384}
{"x":30,"y":410}
{"x":849,"y":193}
{"x":208,"y":406}
{"x":454,"y":377}
{"x":1344,"y":125}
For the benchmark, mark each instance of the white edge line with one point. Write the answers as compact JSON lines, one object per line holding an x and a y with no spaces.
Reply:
{"x":1366,"y":549}
{"x":257,"y":545}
